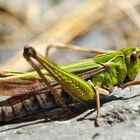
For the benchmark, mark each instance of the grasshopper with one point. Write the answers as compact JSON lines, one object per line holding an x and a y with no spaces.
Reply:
{"x":84,"y":80}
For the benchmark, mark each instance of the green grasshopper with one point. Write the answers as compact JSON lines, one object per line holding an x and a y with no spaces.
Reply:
{"x":84,"y":80}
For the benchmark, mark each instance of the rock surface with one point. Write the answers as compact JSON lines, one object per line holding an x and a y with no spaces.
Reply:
{"x":119,"y":120}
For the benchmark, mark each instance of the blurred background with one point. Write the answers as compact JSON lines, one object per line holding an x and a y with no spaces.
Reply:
{"x":104,"y":24}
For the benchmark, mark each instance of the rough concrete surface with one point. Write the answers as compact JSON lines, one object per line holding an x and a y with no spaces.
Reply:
{"x":119,"y":120}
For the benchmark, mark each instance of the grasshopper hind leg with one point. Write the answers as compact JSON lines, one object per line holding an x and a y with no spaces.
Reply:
{"x":55,"y":92}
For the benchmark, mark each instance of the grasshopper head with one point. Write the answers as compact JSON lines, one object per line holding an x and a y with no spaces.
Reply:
{"x":132,"y":59}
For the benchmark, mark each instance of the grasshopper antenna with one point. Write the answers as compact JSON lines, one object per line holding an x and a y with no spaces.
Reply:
{"x":138,"y":43}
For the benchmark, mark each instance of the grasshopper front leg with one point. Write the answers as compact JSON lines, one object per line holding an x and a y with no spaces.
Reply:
{"x":76,"y":87}
{"x":132,"y":83}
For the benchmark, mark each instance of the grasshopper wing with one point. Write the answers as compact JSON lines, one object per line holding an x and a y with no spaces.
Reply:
{"x":17,"y":86}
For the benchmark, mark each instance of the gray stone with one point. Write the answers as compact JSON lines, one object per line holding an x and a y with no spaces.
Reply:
{"x":119,"y":120}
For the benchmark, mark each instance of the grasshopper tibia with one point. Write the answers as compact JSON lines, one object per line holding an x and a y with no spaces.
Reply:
{"x":97,"y":102}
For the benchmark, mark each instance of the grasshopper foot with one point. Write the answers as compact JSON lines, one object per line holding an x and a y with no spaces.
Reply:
{"x":96,"y":122}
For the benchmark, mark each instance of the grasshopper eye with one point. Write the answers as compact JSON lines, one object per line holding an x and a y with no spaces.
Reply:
{"x":134,"y":56}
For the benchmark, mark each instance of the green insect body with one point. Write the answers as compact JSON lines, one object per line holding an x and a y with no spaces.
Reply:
{"x":118,"y":66}
{"x":104,"y":71}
